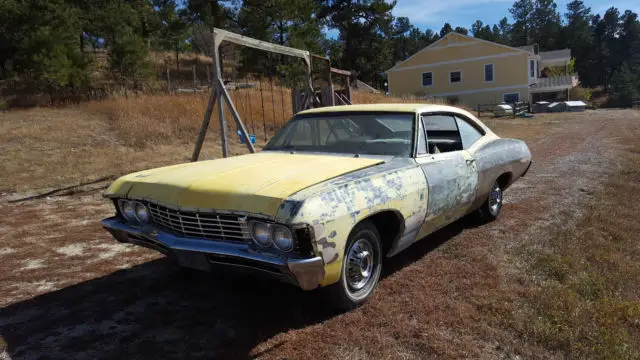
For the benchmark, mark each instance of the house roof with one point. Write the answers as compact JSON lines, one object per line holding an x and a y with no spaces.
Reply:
{"x":555,"y":55}
{"x":434,"y":44}
{"x":528,"y":48}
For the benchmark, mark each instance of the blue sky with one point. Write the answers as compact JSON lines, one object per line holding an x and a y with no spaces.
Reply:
{"x":432,"y":14}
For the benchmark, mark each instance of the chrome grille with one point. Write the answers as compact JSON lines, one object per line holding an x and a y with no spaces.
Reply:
{"x":200,"y":225}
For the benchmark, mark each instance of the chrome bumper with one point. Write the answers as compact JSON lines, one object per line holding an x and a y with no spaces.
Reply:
{"x":205,"y":254}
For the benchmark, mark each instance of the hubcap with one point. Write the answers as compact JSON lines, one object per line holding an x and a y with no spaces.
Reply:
{"x":495,"y":198}
{"x":360,"y":263}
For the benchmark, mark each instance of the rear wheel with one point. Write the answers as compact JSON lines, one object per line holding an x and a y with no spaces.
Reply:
{"x":490,"y":210}
{"x":361,"y":268}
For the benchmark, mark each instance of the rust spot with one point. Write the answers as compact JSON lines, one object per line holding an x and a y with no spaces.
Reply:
{"x":333,"y":234}
{"x":326,"y":244}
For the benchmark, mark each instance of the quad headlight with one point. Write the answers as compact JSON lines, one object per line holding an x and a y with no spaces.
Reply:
{"x":141,"y":213}
{"x":265,"y":235}
{"x":261,"y":233}
{"x":134,"y":211}
{"x":282,"y":238}
{"x":128,"y":209}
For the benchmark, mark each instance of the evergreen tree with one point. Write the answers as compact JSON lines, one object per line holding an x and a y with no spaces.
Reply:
{"x":505,"y":31}
{"x":365,"y":28}
{"x":128,"y":59}
{"x":446,"y":28}
{"x":579,"y":38}
{"x":624,"y":86}
{"x":461,"y":30}
{"x":481,"y":31}
{"x":174,"y":30}
{"x":545,"y":25}
{"x":521,"y":11}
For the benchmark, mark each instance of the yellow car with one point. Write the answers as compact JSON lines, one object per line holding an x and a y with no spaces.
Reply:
{"x":332,"y":193}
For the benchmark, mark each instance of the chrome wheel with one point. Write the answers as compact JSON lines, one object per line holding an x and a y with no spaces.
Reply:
{"x":360,"y":265}
{"x":495,"y":198}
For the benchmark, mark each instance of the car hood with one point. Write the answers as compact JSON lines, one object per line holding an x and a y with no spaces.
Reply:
{"x":255,"y":183}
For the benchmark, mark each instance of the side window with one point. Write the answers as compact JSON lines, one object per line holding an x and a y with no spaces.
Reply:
{"x":422,"y":140}
{"x":468,"y":133}
{"x":442,"y":133}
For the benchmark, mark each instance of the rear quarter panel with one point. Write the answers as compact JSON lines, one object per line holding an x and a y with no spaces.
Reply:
{"x":333,"y":208}
{"x":495,"y":157}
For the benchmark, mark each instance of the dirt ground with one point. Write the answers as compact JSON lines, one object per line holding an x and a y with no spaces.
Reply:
{"x":68,"y":290}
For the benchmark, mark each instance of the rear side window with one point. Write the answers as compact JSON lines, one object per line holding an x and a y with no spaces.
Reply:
{"x":468,"y":133}
{"x":442,"y":133}
{"x":440,"y":123}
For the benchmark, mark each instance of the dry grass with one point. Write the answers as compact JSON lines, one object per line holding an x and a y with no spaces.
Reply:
{"x":147,"y":119}
{"x":555,"y":277}
{"x":45,"y":147}
{"x":584,"y":294}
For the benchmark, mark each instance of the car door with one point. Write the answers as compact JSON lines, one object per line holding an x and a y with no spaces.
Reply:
{"x":451,"y":172}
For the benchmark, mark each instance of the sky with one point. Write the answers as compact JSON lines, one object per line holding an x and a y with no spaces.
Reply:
{"x":432,"y":14}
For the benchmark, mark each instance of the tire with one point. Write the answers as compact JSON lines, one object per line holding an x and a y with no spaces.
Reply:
{"x":361,"y":268}
{"x":490,"y":210}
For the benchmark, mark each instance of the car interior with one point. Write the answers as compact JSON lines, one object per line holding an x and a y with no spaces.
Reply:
{"x":442,"y":133}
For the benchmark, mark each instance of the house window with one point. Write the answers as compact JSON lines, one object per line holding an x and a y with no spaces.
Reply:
{"x":532,"y":68}
{"x":455,"y":77}
{"x":511,"y":97}
{"x":488,"y":72}
{"x":427,"y":78}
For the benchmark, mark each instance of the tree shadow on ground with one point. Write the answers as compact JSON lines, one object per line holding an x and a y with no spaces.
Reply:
{"x":152,"y":310}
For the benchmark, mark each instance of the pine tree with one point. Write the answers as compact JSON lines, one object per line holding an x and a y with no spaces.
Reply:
{"x":461,"y":30}
{"x":545,"y":25}
{"x":446,"y":28}
{"x":174,"y":30}
{"x":579,"y":38}
{"x":624,"y":86}
{"x":365,"y":28}
{"x":520,"y":33}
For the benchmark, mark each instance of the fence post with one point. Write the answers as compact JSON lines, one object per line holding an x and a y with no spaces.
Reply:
{"x":195,"y":84}
{"x":168,"y":81}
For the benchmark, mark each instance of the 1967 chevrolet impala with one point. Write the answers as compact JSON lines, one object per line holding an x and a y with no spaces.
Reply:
{"x":332,"y":193}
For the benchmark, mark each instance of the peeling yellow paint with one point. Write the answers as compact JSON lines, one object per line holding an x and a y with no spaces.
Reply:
{"x":256,"y":183}
{"x":333,"y":210}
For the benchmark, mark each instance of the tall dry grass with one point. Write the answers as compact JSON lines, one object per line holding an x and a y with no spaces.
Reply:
{"x":159,"y":119}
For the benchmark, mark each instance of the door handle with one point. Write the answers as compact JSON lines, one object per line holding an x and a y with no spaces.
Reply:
{"x":470,"y":161}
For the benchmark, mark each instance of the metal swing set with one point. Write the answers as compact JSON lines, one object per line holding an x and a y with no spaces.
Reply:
{"x":306,"y":98}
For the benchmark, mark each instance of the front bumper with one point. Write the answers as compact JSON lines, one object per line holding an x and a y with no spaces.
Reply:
{"x":206,"y":254}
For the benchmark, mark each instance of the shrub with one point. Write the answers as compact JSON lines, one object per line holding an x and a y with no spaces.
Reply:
{"x":580,"y":93}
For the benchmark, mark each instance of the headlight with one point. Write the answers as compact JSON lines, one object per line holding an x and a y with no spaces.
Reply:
{"x":282,"y":238}
{"x":141,"y":213}
{"x":128,"y":209}
{"x":261,"y":233}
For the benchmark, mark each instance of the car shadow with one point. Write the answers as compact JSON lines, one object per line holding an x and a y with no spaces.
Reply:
{"x":153,"y":310}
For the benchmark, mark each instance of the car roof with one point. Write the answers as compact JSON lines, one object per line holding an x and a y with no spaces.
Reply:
{"x":414,"y":108}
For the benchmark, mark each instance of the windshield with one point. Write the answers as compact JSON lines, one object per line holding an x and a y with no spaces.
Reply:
{"x":360,"y":133}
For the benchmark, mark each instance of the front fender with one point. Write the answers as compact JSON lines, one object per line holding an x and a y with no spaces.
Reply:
{"x":336,"y":207}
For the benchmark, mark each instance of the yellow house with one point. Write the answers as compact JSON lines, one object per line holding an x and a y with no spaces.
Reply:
{"x":473,"y":71}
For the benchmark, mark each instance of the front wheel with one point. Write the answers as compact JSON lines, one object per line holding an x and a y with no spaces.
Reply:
{"x":361,"y":268}
{"x":490,"y":210}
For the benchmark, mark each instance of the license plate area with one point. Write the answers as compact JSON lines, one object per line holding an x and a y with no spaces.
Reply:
{"x":193,"y":260}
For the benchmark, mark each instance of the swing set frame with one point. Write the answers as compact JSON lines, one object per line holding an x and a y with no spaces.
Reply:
{"x":220,"y":95}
